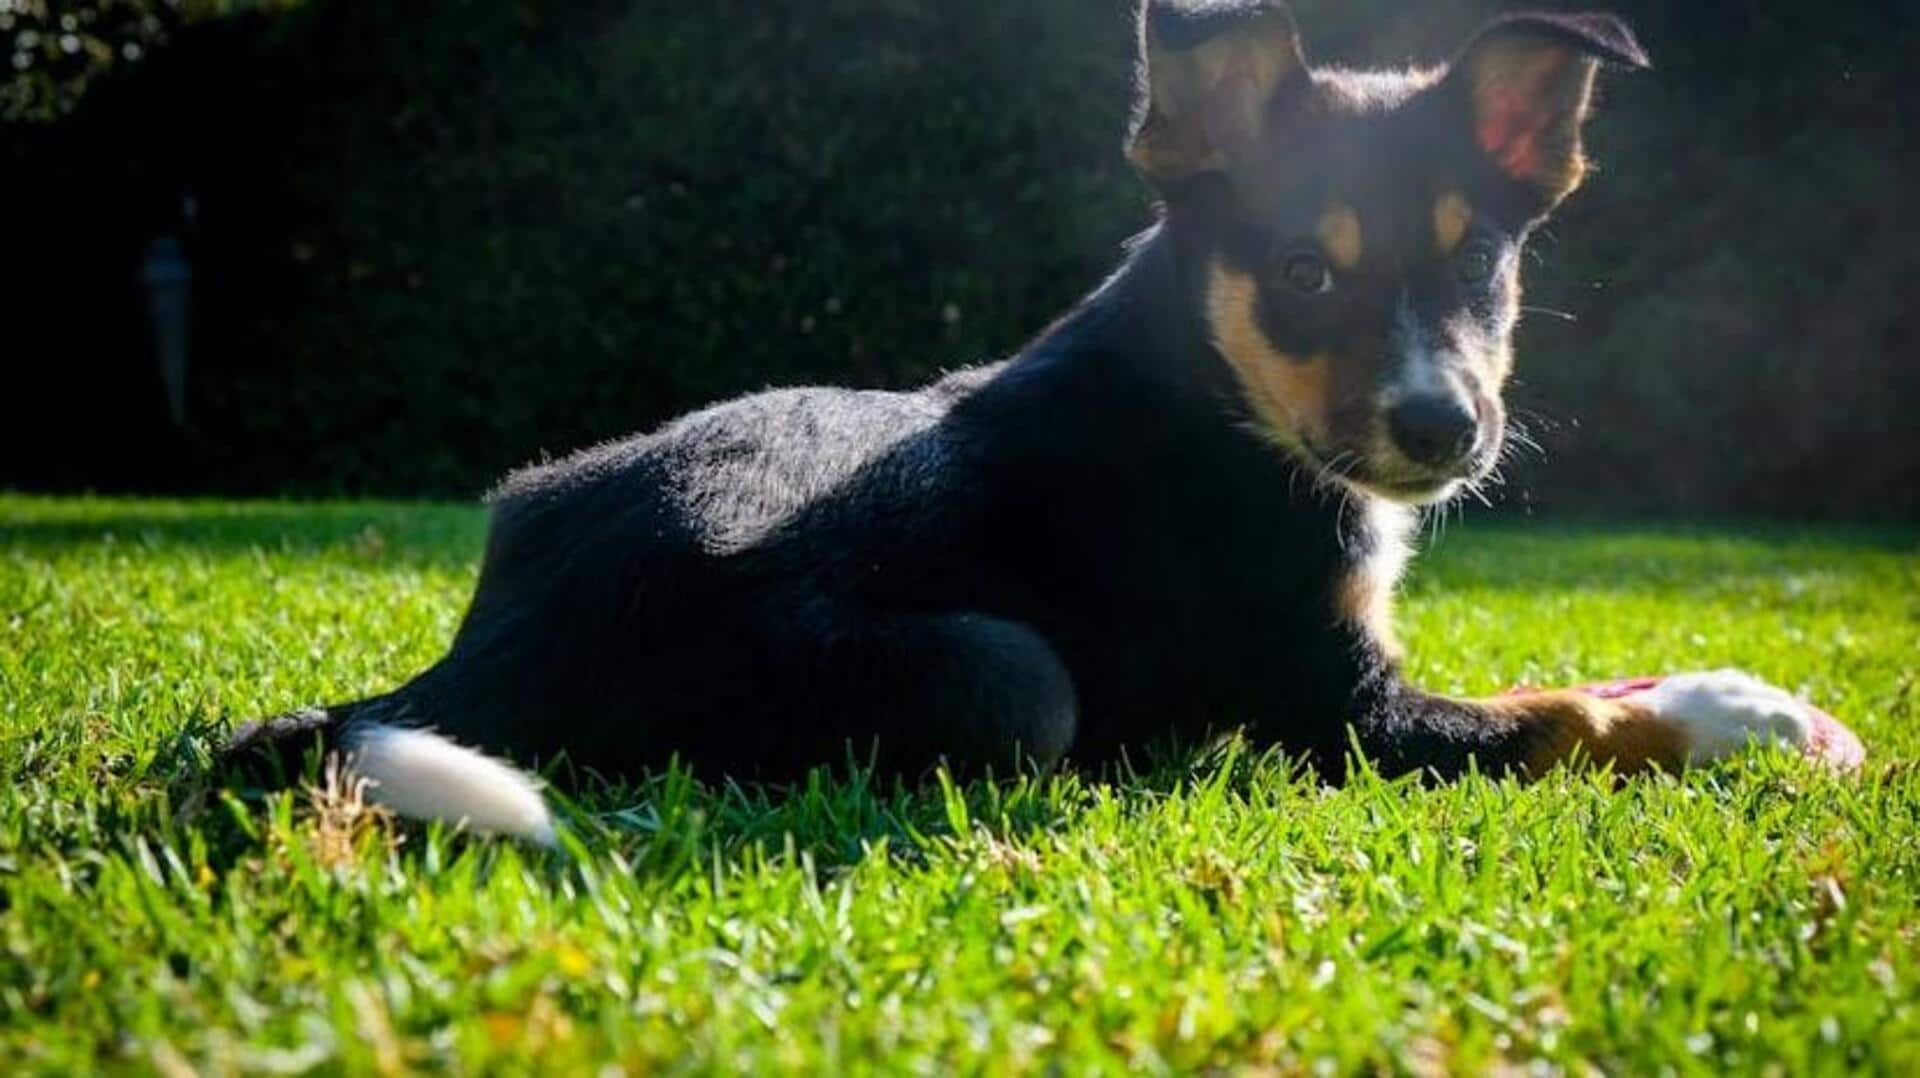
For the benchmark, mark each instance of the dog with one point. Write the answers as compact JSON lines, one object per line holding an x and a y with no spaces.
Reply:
{"x":1183,"y":507}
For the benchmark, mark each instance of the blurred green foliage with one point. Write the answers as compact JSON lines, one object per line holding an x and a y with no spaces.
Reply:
{"x":55,"y":49}
{"x":435,"y":241}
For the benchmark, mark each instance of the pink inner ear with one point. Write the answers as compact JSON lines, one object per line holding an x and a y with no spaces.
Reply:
{"x":1515,"y":108}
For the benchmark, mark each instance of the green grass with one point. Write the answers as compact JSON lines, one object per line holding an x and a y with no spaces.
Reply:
{"x":1212,"y":911}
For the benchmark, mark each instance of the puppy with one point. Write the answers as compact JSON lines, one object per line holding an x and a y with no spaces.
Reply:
{"x":1182,"y":508}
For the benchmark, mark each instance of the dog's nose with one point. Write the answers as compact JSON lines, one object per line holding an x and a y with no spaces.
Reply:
{"x":1433,"y":430}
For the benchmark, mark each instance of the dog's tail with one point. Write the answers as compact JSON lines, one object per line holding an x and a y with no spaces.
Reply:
{"x":409,"y":770}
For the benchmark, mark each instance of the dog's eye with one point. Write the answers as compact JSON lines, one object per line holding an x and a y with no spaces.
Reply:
{"x":1477,"y":261}
{"x":1307,"y":274}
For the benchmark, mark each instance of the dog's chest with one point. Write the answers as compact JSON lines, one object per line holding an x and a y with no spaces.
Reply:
{"x":1187,"y":610}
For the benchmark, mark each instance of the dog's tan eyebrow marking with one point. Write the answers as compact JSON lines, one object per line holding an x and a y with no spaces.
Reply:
{"x":1451,"y":216}
{"x":1340,"y":235}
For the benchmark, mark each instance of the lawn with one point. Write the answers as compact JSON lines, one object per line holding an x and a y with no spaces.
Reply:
{"x":1206,"y":912}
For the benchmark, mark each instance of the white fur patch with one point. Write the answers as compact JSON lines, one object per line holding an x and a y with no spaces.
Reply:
{"x":1392,"y":524}
{"x":1724,"y":711}
{"x":421,"y":774}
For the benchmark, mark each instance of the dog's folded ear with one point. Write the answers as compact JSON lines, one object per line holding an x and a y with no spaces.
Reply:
{"x":1527,"y":83}
{"x":1210,"y":71}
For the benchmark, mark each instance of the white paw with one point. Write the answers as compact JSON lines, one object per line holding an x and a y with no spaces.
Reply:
{"x":1723,"y":711}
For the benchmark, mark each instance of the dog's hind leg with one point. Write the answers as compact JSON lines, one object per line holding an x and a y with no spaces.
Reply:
{"x":817,"y":685}
{"x":963,"y":689}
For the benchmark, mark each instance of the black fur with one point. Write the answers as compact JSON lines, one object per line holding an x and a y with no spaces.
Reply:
{"x":1068,"y":553}
{"x":1078,"y":550}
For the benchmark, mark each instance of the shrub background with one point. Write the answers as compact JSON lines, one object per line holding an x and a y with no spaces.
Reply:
{"x":437,"y":242}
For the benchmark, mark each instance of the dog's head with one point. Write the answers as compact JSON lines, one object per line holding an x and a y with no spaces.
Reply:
{"x":1356,"y":236}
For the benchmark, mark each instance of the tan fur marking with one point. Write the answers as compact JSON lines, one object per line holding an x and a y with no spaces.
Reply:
{"x":1366,"y":603}
{"x":1451,"y":216}
{"x":1288,"y":395}
{"x":1628,"y":735}
{"x":1340,"y":235}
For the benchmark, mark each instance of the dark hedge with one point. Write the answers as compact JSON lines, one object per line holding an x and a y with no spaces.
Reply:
{"x":434,"y":244}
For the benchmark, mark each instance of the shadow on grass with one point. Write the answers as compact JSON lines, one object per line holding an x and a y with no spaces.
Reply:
{"x":671,"y":823}
{"x":835,"y":813}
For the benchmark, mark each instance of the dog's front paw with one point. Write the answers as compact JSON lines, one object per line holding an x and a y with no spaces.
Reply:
{"x":1721,"y":712}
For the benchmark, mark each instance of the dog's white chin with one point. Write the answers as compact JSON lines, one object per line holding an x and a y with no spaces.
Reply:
{"x":1412,"y":492}
{"x":1398,"y":480}
{"x":1444,"y":491}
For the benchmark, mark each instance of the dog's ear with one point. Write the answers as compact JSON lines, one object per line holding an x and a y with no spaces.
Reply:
{"x":1527,"y":82}
{"x":1209,"y":72}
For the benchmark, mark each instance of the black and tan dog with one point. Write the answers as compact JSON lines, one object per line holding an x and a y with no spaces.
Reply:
{"x":1183,"y":507}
